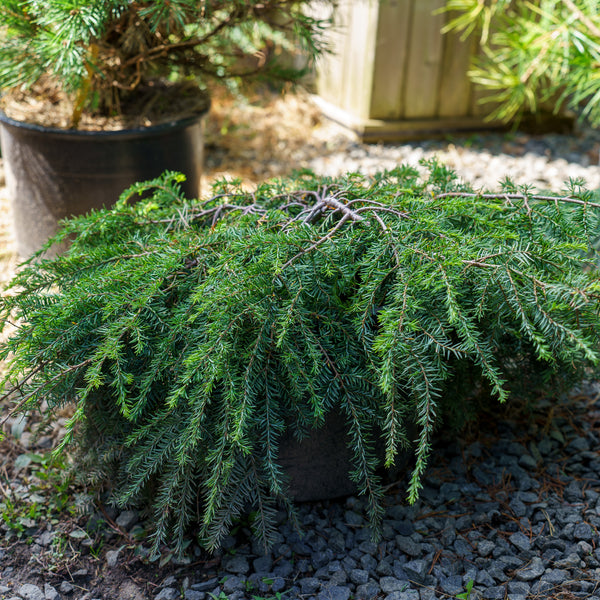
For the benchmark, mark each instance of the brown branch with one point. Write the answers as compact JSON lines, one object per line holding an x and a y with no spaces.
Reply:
{"x":318,"y":242}
{"x":524,"y":197}
{"x":582,"y":17}
{"x":332,"y":201}
{"x":157,"y":50}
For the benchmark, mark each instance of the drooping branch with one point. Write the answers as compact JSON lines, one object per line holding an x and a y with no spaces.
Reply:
{"x":524,"y":197}
{"x":19,"y":406}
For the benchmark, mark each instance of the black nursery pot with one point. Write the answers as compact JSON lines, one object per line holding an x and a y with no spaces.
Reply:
{"x":318,"y":467}
{"x":54,"y":174}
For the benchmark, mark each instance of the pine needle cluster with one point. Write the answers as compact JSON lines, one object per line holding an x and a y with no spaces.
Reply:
{"x":191,"y":336}
{"x":536,"y":55}
{"x":110,"y":55}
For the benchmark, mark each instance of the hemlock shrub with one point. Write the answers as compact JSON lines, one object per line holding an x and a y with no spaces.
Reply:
{"x":189,"y":336}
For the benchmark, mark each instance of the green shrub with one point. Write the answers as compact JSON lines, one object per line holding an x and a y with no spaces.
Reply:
{"x":191,"y":335}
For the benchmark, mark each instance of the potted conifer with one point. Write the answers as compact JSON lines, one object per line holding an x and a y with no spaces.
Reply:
{"x":198,"y":340}
{"x":99,"y":95}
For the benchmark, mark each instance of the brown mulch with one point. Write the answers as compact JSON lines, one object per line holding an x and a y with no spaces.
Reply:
{"x":46,"y":104}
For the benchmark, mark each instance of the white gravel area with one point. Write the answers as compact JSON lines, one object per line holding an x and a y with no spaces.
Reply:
{"x":480,"y":167}
{"x":272,"y":137}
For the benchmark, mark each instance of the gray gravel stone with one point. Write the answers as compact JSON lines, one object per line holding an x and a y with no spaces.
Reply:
{"x":494,"y":593}
{"x":518,"y":587}
{"x":30,"y":592}
{"x":336,"y":541}
{"x":518,"y":508}
{"x":384,"y":568}
{"x":463,"y":548}
{"x":359,"y":576}
{"x":367,"y":591}
{"x":320,"y":559}
{"x":112,"y":558}
{"x":532,"y":571}
{"x":528,"y":462}
{"x":283,"y":569}
{"x":542,"y":588}
{"x":278,"y":584}
{"x":555,"y":576}
{"x":452,"y":585}
{"x":66,"y":587}
{"x":167,"y":593}
{"x":485,"y":579}
{"x":194,"y":595}
{"x":573,"y":493}
{"x":391,"y":584}
{"x":368,"y":563}
{"x":236,"y":564}
{"x":485,"y":547}
{"x":309,"y":585}
{"x":406,"y":595}
{"x":335,"y":592}
{"x":45,"y":539}
{"x":368,"y":548}
{"x":354,"y":519}
{"x":205,"y":586}
{"x":521,"y":541}
{"x":407,"y":546}
{"x":50,"y":592}
{"x":232,"y":584}
{"x":583,"y":531}
{"x":398,"y":570}
{"x":262,"y":564}
{"x":127,"y":519}
{"x":416,"y":570}
{"x":570,"y":561}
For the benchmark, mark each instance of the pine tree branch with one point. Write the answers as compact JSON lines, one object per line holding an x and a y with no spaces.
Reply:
{"x":582,"y":17}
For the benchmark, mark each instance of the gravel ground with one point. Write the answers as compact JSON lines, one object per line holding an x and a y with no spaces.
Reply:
{"x":511,"y":509}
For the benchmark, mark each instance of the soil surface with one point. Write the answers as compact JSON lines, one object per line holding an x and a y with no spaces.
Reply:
{"x":46,"y":105}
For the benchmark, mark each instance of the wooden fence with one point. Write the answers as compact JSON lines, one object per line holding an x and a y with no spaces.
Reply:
{"x":392,"y":74}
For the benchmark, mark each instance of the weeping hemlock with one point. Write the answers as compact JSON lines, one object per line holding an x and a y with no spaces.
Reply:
{"x":191,"y":335}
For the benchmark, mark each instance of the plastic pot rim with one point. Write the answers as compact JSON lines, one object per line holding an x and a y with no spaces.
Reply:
{"x":81,"y":134}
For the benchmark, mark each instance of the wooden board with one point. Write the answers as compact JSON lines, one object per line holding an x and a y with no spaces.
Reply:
{"x":421,"y":89}
{"x":391,"y":58}
{"x":388,"y":130}
{"x":360,"y":55}
{"x":390,"y":62}
{"x":454,"y":96}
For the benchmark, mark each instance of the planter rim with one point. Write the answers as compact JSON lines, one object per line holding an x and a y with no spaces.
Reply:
{"x":81,"y":134}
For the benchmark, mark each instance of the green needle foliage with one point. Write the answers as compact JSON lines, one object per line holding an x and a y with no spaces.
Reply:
{"x":190,"y":336}
{"x":109,"y":54}
{"x":535,"y":53}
